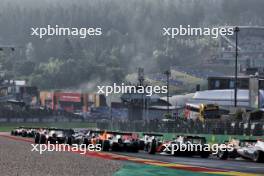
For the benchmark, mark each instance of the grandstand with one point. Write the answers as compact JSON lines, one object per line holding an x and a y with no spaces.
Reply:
{"x":250,"y":47}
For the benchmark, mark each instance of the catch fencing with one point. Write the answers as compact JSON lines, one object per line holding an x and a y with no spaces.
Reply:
{"x":187,"y":126}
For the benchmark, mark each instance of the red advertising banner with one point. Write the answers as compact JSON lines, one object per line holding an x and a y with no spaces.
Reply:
{"x":69,"y":97}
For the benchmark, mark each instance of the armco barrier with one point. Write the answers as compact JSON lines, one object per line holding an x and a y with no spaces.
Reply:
{"x":187,"y":127}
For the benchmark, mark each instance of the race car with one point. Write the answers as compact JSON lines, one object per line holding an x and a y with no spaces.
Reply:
{"x":24,"y":131}
{"x":85,"y":136}
{"x":186,"y":146}
{"x":17,"y":131}
{"x":95,"y":137}
{"x":54,"y":135}
{"x":78,"y":137}
{"x":40,"y":136}
{"x":29,"y":132}
{"x":253,"y":151}
{"x":236,"y":145}
{"x":122,"y":141}
{"x":151,"y":142}
{"x":111,"y":140}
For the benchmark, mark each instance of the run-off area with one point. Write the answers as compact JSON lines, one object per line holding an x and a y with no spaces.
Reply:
{"x":16,"y":159}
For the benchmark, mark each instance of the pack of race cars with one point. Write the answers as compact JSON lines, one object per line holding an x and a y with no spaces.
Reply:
{"x":151,"y":143}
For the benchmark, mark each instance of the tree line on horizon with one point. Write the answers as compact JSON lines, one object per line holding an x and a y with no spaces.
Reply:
{"x":132,"y":37}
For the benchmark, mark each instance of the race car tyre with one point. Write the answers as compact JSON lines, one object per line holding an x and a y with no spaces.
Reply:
{"x":51,"y":141}
{"x":135,"y":147}
{"x":105,"y":145}
{"x":86,"y":142}
{"x":223,"y":155}
{"x":141,"y":145}
{"x":24,"y":134}
{"x":152,"y":147}
{"x":31,"y":134}
{"x":42,"y":139}
{"x":205,"y":154}
{"x":68,"y":140}
{"x":258,"y":157}
{"x":115,"y":147}
{"x":37,"y":138}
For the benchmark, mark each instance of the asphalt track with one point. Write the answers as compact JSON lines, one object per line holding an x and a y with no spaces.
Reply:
{"x":197,"y":164}
{"x":229,"y":165}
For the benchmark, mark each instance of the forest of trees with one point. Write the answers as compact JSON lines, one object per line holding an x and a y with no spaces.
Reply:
{"x":132,"y":37}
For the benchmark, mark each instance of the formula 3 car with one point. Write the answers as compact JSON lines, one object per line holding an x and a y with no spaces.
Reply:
{"x":193,"y":146}
{"x":17,"y":131}
{"x":245,"y":148}
{"x":122,"y":141}
{"x":253,"y":151}
{"x":24,"y":131}
{"x":114,"y":141}
{"x":151,"y":142}
{"x":54,"y":135}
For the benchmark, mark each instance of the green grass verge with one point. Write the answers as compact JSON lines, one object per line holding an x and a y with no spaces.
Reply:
{"x":150,"y":170}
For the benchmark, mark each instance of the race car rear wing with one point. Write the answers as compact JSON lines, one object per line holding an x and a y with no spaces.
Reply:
{"x":119,"y":133}
{"x":153,"y":134}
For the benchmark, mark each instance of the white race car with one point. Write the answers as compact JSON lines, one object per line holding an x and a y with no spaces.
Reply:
{"x":253,"y":151}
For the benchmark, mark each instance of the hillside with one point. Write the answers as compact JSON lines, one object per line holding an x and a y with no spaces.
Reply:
{"x":132,"y":38}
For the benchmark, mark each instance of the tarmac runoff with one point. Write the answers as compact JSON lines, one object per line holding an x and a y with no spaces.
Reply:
{"x":136,"y":165}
